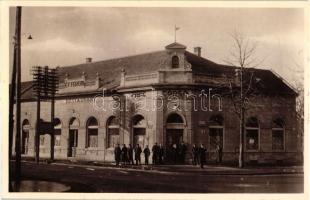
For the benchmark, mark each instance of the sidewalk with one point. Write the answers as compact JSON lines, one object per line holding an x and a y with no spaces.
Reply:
{"x":207,"y":170}
{"x":228,"y":170}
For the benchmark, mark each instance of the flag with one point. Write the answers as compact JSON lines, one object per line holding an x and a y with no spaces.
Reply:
{"x":177,"y":28}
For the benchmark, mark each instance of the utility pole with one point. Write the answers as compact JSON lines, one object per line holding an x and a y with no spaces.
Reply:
{"x":18,"y":95}
{"x":12,"y":100}
{"x":12,"y":90}
{"x":53,"y":88}
{"x":45,"y":86}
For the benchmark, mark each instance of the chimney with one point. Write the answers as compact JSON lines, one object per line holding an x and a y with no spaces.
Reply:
{"x":88,"y":60}
{"x":197,"y":51}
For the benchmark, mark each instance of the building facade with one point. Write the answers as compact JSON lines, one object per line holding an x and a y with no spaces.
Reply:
{"x":165,"y":97}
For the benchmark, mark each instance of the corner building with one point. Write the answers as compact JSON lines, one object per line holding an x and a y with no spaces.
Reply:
{"x":167,"y":97}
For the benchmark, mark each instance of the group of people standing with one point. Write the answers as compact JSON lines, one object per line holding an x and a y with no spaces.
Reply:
{"x":158,"y":154}
{"x":130,"y":155}
{"x":199,"y":154}
{"x":174,"y":154}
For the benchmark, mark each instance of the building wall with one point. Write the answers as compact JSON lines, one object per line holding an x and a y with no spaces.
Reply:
{"x":195,"y":130}
{"x":266,"y":109}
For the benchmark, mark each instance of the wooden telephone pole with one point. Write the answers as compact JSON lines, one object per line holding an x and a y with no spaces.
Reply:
{"x":18,"y":94}
{"x":45,"y":86}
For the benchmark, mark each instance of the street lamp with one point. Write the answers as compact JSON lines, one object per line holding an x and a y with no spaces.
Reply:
{"x":16,"y":92}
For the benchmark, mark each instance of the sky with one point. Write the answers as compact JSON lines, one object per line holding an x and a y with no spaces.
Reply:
{"x":65,"y":36}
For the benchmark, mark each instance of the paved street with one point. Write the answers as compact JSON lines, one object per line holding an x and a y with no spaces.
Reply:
{"x":167,"y":179}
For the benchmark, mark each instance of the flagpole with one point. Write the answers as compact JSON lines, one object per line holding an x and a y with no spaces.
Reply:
{"x":175,"y":33}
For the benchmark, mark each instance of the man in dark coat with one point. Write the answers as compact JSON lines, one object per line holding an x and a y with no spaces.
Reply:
{"x":124,"y":154}
{"x":117,"y":154}
{"x":147,"y":153}
{"x":138,"y":152}
{"x":195,"y":154}
{"x":219,"y":151}
{"x":182,"y":150}
{"x":202,"y":155}
{"x":155,"y":151}
{"x":130,"y":154}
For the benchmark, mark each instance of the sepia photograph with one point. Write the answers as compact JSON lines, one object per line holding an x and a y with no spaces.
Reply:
{"x":156,"y":99}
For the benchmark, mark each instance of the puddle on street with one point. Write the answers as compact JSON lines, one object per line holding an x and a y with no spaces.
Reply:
{"x":40,"y":186}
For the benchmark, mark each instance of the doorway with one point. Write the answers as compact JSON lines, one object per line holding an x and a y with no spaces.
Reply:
{"x":73,"y":141}
{"x":25,"y":139}
{"x":139,"y":131}
{"x":73,"y":136}
{"x":174,"y":136}
{"x":174,"y":139}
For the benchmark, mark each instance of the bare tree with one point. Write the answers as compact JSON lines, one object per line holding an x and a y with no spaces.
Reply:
{"x":298,"y":84}
{"x":242,"y":83}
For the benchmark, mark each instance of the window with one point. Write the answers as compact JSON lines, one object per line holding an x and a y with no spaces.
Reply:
{"x":175,"y":62}
{"x":175,"y":118}
{"x":42,"y":140}
{"x":92,"y":133}
{"x":278,"y":135}
{"x":57,"y":132}
{"x":252,"y":131}
{"x":113,"y":131}
{"x":216,"y":132}
{"x":57,"y":137}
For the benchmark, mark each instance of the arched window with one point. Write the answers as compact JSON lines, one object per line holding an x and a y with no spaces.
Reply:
{"x":57,"y":132}
{"x":174,"y":118}
{"x":139,"y":130}
{"x":175,"y":62}
{"x":112,"y":131}
{"x":278,"y":134}
{"x":216,"y":131}
{"x":25,"y":136}
{"x":92,"y":132}
{"x":74,"y":123}
{"x":252,"y":134}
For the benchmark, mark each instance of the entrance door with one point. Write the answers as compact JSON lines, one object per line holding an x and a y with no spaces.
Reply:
{"x":138,"y":138}
{"x":25,"y":137}
{"x":174,"y":136}
{"x":173,"y":141}
{"x":73,"y":141}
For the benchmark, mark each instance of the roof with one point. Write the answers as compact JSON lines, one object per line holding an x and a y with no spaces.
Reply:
{"x":110,"y":70}
{"x":176,"y":45}
{"x":27,"y":92}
